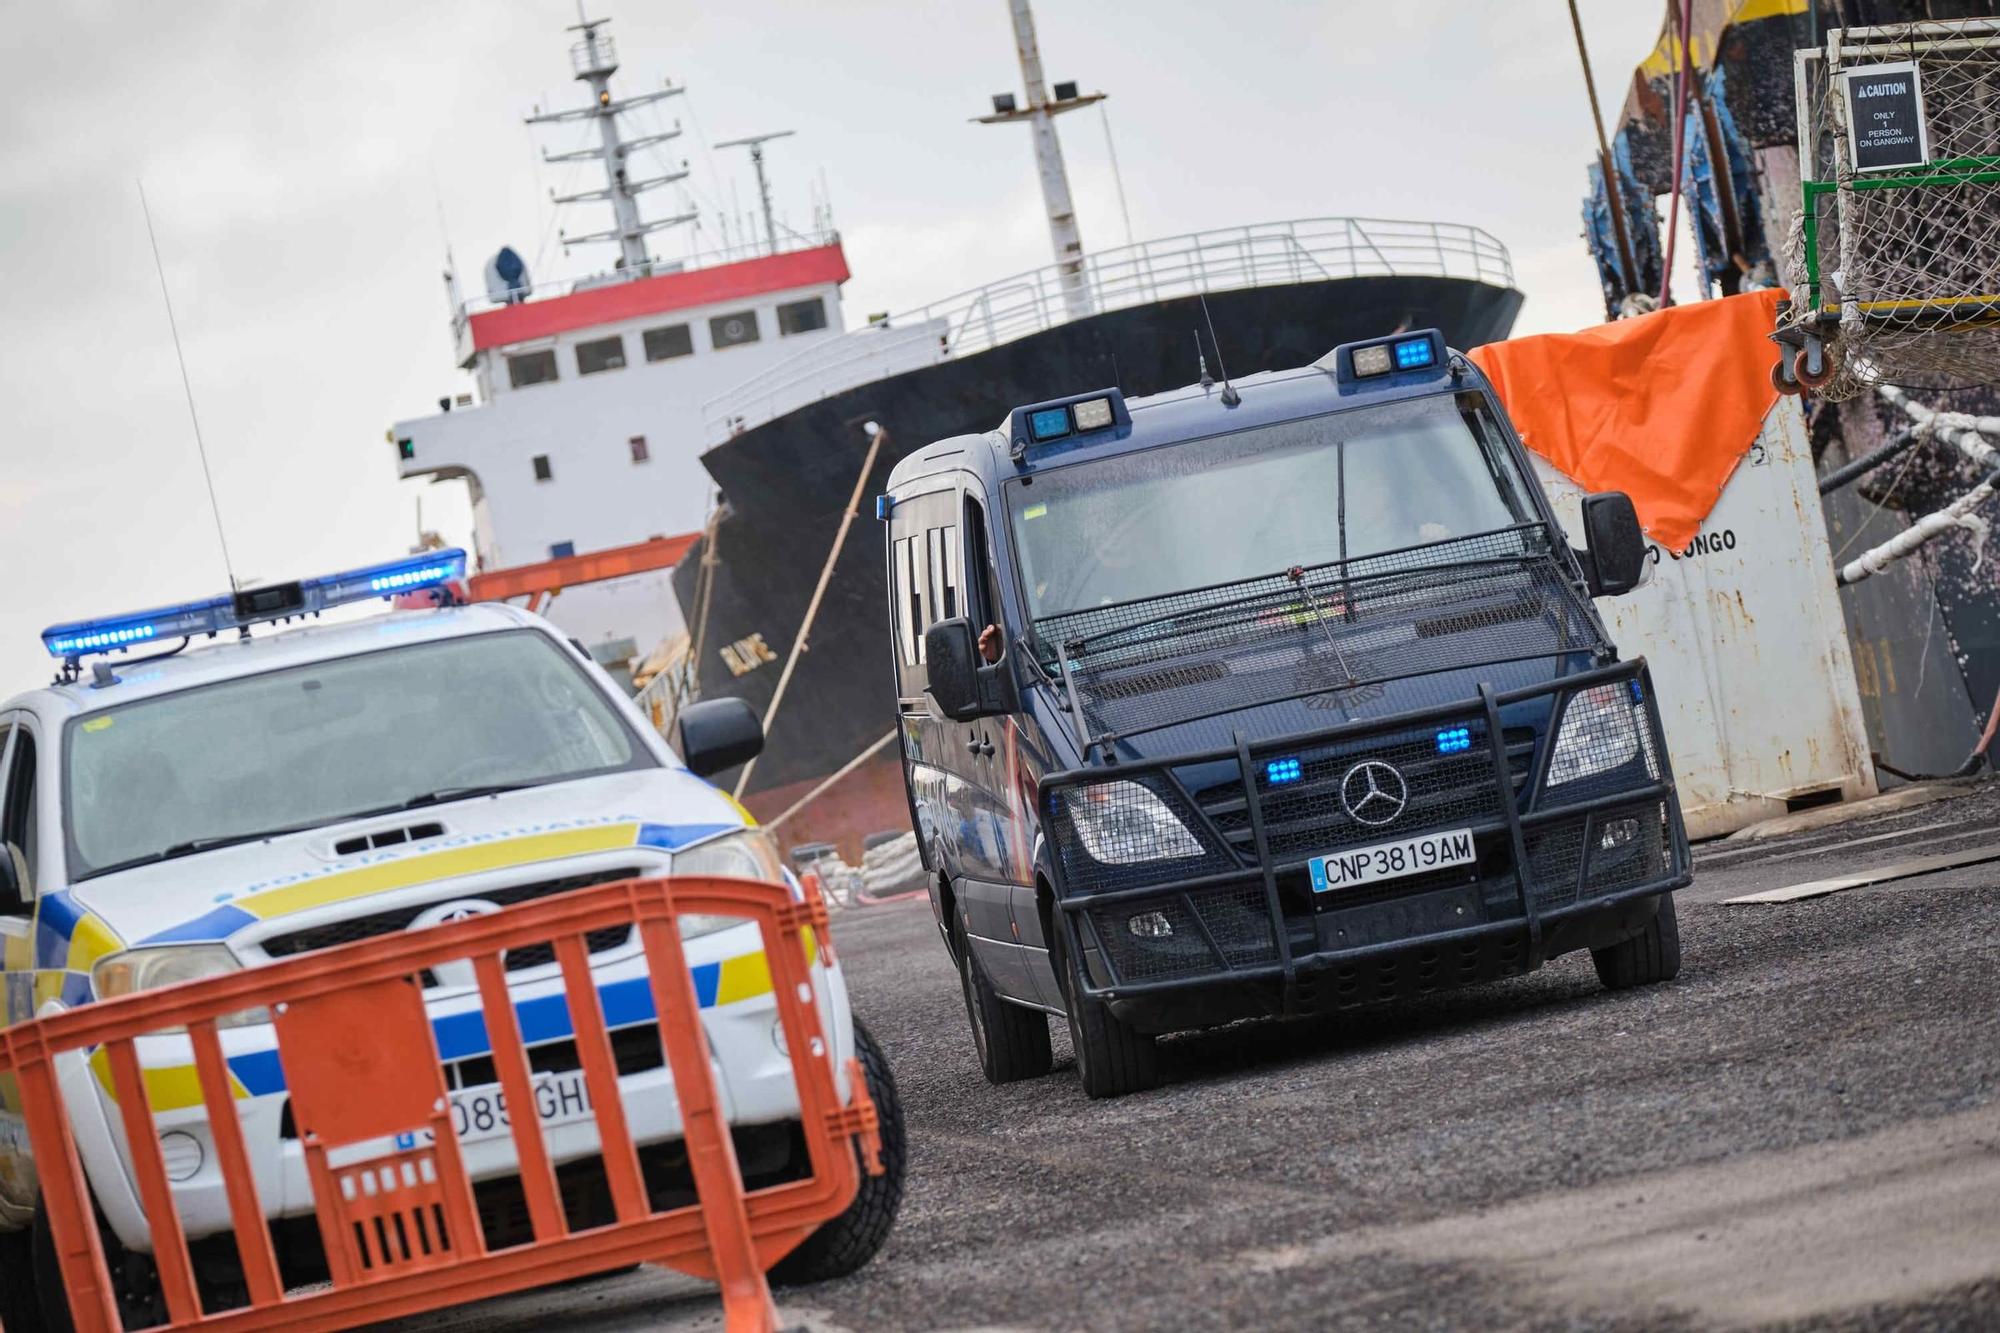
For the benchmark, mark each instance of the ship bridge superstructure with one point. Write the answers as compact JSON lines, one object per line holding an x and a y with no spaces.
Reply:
{"x":582,"y":430}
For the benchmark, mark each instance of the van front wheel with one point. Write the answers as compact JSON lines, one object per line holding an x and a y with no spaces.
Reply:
{"x":1111,"y":1058}
{"x":1012,"y":1043}
{"x":1653,"y":955}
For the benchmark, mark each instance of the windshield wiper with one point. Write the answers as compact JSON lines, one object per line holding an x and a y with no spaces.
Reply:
{"x":446,"y":795}
{"x":194,"y":846}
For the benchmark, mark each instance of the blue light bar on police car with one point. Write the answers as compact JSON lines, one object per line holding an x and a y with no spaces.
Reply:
{"x":251,"y":606}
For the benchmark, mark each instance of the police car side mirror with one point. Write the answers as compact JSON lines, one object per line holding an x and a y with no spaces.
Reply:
{"x":1617,"y":548}
{"x":717,"y":734}
{"x":951,"y":660}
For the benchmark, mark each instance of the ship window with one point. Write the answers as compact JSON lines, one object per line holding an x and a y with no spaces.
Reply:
{"x":599,"y":355}
{"x":406,"y":449}
{"x":733,"y":330}
{"x":802,"y":316}
{"x":639,"y":451}
{"x":543,"y":472}
{"x":532,"y":367}
{"x":663,"y":344}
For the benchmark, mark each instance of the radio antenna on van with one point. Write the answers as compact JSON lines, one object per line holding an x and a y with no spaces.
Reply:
{"x":1230,"y":397}
{"x":201,"y":449}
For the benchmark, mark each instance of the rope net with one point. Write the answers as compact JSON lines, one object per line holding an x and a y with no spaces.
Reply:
{"x":1907,"y":258}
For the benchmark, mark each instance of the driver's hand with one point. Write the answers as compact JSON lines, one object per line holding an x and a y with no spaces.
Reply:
{"x":989,"y":643}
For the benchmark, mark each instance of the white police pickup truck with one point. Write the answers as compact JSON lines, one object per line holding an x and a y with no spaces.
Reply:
{"x":167,"y":815}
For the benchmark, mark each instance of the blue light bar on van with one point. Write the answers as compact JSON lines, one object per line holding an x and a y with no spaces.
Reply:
{"x":1046,"y":423}
{"x":1379,"y":358}
{"x":1280,"y":771}
{"x":252,"y":606}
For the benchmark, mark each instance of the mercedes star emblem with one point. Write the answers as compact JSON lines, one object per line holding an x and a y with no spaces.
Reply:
{"x":1374,"y":793}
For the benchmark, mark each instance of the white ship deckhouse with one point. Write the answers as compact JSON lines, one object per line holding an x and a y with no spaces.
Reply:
{"x":584,"y":428}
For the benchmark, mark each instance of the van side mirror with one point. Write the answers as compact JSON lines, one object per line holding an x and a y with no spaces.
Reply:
{"x":951,"y":660}
{"x":963,"y":685}
{"x":1616,"y":547}
{"x":717,"y":734}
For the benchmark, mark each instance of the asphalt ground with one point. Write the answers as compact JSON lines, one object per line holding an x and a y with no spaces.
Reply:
{"x":1802,"y":1131}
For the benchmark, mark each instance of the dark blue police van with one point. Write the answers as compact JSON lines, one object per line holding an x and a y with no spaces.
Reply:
{"x":1281,"y":697}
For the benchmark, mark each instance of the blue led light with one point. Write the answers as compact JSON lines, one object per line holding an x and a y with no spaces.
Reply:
{"x":1415,"y":353}
{"x":403,"y":580}
{"x":1455,"y":740}
{"x":1051,"y":423}
{"x":115,"y":633}
{"x":1638,"y":693}
{"x":1280,"y":771}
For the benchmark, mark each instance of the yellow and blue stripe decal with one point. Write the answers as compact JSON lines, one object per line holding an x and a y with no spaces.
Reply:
{"x":464,"y":1037}
{"x":476,"y":854}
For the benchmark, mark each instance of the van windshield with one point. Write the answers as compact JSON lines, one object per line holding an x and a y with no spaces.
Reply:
{"x":317,"y":744}
{"x":1261,"y":501}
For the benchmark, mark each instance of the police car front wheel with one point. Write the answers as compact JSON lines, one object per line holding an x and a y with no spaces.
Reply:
{"x":848,"y":1242}
{"x":20,"y":1304}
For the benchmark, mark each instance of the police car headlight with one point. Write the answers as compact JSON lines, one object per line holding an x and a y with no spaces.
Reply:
{"x":1600,"y":732}
{"x":1122,"y":823}
{"x":748,"y":854}
{"x":149,"y":969}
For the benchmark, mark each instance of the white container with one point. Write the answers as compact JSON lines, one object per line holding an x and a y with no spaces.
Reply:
{"x":1747,"y":644}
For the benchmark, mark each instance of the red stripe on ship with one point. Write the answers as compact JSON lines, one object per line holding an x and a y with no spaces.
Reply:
{"x":619,"y":301}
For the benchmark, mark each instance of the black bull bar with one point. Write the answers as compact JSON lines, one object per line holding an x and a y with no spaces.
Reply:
{"x":1227,"y":904}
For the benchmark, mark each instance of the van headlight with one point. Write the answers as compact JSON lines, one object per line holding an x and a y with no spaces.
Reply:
{"x":137,"y":970}
{"x":1123,"y":824}
{"x":1600,"y":732}
{"x":746,"y":854}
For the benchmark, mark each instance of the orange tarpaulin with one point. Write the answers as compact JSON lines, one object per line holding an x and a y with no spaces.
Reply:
{"x":1661,"y":407}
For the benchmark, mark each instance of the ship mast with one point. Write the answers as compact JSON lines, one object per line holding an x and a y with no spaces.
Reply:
{"x":755,"y":143}
{"x":1041,"y":112}
{"x":594,"y":59}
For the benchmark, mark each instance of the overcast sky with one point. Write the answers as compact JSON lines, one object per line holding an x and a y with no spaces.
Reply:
{"x":307,"y":165}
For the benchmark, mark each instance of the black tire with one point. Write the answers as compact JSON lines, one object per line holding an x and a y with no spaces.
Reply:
{"x":1010,"y":1042}
{"x":1653,"y":955}
{"x":20,"y":1302}
{"x":848,"y":1242}
{"x":55,"y":1316}
{"x":218,"y":1278}
{"x":1111,"y":1058}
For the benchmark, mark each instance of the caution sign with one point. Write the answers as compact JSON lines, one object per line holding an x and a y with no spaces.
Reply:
{"x":1885,"y":117}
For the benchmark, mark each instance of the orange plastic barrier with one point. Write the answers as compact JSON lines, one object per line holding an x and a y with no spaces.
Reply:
{"x":1661,"y":407}
{"x":400,"y":1230}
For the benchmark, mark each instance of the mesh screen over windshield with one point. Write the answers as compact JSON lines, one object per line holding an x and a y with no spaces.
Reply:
{"x":1334,"y":628}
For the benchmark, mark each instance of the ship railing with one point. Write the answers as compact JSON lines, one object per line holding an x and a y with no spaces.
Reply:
{"x":1231,"y":258}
